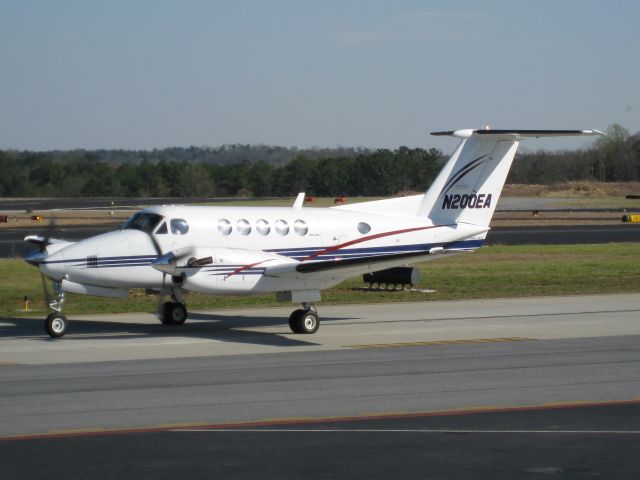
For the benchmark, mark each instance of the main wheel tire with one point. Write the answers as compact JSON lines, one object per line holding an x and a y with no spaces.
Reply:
{"x":304,"y":321}
{"x":173,"y":313}
{"x":56,"y":324}
{"x":294,"y":320}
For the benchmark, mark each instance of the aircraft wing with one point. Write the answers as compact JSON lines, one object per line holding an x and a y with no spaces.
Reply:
{"x":347,"y":266}
{"x":322,"y":265}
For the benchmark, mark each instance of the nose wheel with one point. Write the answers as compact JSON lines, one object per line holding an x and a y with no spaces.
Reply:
{"x":304,"y":320}
{"x":56,"y":324}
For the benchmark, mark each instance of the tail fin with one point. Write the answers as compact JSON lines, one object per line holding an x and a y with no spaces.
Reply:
{"x":468,"y":188}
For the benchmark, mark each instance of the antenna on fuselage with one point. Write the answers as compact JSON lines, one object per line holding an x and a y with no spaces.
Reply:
{"x":297,"y":205}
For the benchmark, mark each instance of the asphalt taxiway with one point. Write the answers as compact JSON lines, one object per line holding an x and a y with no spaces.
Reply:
{"x":546,"y":385}
{"x":245,"y":365}
{"x":12,"y":244}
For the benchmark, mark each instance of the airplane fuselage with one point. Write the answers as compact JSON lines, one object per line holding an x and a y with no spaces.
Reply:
{"x":243,"y":242}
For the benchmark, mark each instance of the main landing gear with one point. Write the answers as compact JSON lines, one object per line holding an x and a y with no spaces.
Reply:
{"x":174,"y":312}
{"x":56,"y":323}
{"x":305,"y":319}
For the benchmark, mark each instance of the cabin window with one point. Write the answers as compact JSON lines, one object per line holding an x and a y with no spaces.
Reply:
{"x":300,"y":227}
{"x":282,"y":227}
{"x":244,"y":227}
{"x":224,"y":227}
{"x":364,"y":227}
{"x":262,"y":227}
{"x":179,"y":226}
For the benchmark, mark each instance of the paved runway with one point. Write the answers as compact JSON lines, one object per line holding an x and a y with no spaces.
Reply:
{"x":375,"y":362}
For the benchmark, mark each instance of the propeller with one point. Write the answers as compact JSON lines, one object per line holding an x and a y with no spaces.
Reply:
{"x":45,"y":289}
{"x":37,"y":256}
{"x":158,"y":249}
{"x":167,"y":264}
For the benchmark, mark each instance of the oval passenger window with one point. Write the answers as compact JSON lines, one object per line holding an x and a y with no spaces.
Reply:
{"x":224,"y":227}
{"x":364,"y":227}
{"x":244,"y":228}
{"x":300,"y":227}
{"x":262,"y":226}
{"x":282,"y":228}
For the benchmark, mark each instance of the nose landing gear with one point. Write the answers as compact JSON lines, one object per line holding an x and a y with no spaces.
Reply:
{"x":56,"y":323}
{"x":174,"y":312}
{"x":304,"y":320}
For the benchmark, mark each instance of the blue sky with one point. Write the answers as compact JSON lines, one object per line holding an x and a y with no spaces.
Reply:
{"x":153,"y":73}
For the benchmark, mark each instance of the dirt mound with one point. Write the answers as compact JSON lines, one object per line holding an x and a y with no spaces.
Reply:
{"x":574,"y":189}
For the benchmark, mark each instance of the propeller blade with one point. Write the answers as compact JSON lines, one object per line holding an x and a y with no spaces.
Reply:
{"x":155,"y":243}
{"x":36,"y":257}
{"x":45,"y":289}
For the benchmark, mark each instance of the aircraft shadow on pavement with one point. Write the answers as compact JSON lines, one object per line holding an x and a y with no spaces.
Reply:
{"x":225,"y":328}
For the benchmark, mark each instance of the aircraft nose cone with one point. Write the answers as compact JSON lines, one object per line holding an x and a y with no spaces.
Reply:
{"x":35,"y":257}
{"x":53,"y":266}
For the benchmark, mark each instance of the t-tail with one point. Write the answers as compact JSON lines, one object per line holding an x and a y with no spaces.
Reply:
{"x":467,"y":189}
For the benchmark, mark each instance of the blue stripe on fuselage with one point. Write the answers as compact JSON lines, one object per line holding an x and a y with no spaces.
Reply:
{"x":293,"y":253}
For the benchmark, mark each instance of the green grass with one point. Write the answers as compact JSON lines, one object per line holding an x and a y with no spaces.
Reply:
{"x":598,"y":202}
{"x":500,"y":271}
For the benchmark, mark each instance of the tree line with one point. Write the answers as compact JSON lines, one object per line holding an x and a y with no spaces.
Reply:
{"x":193,"y":172}
{"x":83,"y":174}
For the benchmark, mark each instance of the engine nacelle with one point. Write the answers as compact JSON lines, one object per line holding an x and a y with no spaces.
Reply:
{"x":394,"y":276}
{"x":82,"y":289}
{"x":231,"y":271}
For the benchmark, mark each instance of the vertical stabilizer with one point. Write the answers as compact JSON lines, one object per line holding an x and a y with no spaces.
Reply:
{"x":468,"y":188}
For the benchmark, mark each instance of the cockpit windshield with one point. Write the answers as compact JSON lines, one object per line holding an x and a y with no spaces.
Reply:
{"x":145,"y":222}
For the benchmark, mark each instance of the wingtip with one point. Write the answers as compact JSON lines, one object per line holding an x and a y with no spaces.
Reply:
{"x":593,"y":131}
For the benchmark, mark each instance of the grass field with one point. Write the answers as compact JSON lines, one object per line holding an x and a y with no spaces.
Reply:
{"x":501,"y":271}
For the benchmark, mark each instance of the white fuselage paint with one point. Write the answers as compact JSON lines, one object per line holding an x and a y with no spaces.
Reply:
{"x":122,"y":259}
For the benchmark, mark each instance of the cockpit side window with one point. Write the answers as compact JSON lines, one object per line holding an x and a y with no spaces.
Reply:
{"x":162,"y":229}
{"x":179,"y":226}
{"x":145,"y":222}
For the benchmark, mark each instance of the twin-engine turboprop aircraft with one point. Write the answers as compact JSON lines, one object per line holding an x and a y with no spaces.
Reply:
{"x":295,"y":252}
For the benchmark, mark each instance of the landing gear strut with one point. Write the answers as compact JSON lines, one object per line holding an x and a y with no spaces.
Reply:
{"x":305,"y":319}
{"x":56,"y":323}
{"x":174,"y":312}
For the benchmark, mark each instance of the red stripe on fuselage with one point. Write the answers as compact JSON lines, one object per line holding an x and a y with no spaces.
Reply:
{"x":366,"y":239}
{"x":245,"y":267}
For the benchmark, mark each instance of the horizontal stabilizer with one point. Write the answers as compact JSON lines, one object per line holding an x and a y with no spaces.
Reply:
{"x":466,"y":133}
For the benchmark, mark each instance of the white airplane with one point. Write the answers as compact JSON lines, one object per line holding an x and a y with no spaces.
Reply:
{"x":295,"y":252}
